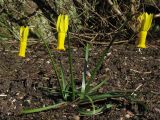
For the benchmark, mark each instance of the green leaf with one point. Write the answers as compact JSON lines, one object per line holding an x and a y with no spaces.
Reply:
{"x":83,"y":87}
{"x":109,"y":106}
{"x":44,"y":108}
{"x":97,"y":86}
{"x":92,"y":112}
{"x":63,"y":82}
{"x":101,"y":97}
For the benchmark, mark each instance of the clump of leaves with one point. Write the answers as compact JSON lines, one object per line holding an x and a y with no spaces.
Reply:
{"x":86,"y":93}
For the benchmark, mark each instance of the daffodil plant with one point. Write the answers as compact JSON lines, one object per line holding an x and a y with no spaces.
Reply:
{"x":68,"y":91}
{"x":24,"y":31}
{"x":145,"y":21}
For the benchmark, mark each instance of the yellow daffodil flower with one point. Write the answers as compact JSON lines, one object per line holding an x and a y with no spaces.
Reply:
{"x":145,"y":21}
{"x":24,"y":31}
{"x":62,"y":27}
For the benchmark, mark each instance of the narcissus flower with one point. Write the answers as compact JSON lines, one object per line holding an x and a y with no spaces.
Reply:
{"x":145,"y":21}
{"x":24,"y":31}
{"x":62,"y":27}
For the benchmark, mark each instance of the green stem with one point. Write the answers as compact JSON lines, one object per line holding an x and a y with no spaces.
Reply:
{"x":71,"y":67}
{"x":54,"y":66}
{"x":52,"y":60}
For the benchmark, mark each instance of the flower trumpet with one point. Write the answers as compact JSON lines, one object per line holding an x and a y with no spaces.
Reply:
{"x":62,"y":27}
{"x":145,"y":21}
{"x":24,"y":31}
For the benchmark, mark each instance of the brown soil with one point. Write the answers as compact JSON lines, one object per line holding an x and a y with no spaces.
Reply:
{"x":129,"y":69}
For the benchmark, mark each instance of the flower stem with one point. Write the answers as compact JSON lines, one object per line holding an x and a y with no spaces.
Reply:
{"x":71,"y":67}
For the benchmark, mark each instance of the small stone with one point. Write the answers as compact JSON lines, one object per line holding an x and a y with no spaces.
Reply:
{"x":76,"y":117}
{"x":48,"y":62}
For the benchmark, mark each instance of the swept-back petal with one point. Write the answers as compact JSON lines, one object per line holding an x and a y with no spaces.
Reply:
{"x":66,"y":22}
{"x":21,"y":32}
{"x":147,"y":21}
{"x":150,"y":20}
{"x":26,"y":31}
{"x":58,"y":23}
{"x":62,"y":25}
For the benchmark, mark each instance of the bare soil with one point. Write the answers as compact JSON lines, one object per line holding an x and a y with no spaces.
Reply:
{"x":128,"y":68}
